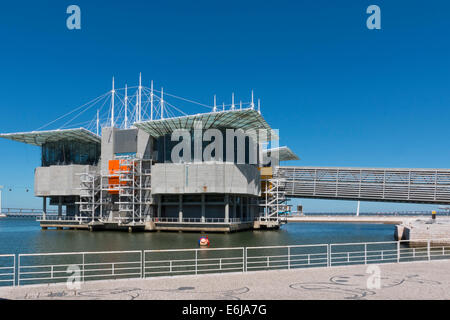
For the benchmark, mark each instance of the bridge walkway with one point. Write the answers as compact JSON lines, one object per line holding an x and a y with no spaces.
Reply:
{"x":429,"y":186}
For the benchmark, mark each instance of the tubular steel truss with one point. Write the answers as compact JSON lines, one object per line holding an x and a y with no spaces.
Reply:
{"x":273,"y":198}
{"x":370,"y":184}
{"x":89,"y":194}
{"x":132,"y":187}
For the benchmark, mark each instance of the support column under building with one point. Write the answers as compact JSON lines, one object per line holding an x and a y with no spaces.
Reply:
{"x":44,"y":207}
{"x":227,"y":208}
{"x":180,"y":208}
{"x":247,"y":214}
{"x":203,"y":208}
{"x":234,"y":207}
{"x":59,"y":206}
{"x":241,"y":209}
{"x":159,"y":207}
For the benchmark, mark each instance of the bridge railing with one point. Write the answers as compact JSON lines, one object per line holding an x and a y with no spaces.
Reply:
{"x":45,"y":268}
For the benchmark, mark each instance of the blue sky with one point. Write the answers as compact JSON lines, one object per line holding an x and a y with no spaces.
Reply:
{"x":341,"y":95}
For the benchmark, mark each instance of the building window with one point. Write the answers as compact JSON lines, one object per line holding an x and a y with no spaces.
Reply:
{"x":66,"y":152}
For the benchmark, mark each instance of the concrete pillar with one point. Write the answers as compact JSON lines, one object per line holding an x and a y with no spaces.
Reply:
{"x":203,"y":208}
{"x":44,"y":207}
{"x":241,"y":209}
{"x":227,"y":208}
{"x":159,"y":207}
{"x":247,"y":214}
{"x":59,"y":206}
{"x":234,"y":206}
{"x":180,"y":208}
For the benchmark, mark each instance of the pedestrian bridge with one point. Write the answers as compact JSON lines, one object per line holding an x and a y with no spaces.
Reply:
{"x":431,"y":186}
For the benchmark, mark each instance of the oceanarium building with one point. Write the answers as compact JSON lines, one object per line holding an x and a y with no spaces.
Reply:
{"x":124,"y":176}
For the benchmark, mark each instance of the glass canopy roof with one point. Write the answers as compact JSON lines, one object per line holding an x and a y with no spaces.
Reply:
{"x":38,"y":138}
{"x":284,"y":153}
{"x":245,"y":119}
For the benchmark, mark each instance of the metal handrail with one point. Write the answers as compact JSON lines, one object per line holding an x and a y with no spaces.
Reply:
{"x":63,"y":218}
{"x":9,"y":274}
{"x":33,"y":272}
{"x":199,"y":220}
{"x":197,"y":261}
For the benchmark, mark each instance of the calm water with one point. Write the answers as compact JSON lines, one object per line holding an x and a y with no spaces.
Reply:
{"x":18,"y":235}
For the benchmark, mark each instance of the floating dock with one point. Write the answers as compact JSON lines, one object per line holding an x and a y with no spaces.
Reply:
{"x":207,"y":226}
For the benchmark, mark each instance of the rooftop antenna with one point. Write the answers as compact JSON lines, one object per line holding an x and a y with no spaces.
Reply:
{"x":151,"y":101}
{"x":240,"y":104}
{"x":253,"y":103}
{"x":223,"y":106}
{"x":232,"y":101}
{"x":215,"y":107}
{"x":140,"y":92}
{"x":126,"y":107}
{"x":259,"y":105}
{"x":97,"y":121}
{"x":162,"y":103}
{"x":112,"y":103}
{"x":137,"y":109}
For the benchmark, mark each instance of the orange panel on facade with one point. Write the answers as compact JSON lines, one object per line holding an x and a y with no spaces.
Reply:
{"x":116,"y":167}
{"x":113,"y":167}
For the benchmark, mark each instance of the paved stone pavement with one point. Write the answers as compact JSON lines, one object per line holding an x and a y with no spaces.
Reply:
{"x":415,"y":280}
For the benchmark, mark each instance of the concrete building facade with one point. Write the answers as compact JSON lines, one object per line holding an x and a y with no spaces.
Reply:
{"x":125,"y":178}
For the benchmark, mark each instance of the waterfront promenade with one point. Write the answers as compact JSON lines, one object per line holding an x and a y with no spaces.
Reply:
{"x":415,"y":280}
{"x":355,"y":219}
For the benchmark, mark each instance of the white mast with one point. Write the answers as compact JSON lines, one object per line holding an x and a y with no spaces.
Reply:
{"x":97,"y":121}
{"x":140,"y":93}
{"x":151,"y":101}
{"x":240,"y":104}
{"x":259,"y":105}
{"x":253,"y":102}
{"x":232,"y":101}
{"x":126,"y":106}
{"x":162,"y":103}
{"x":137,"y":109}
{"x":223,"y":106}
{"x":112,"y":103}
{"x":215,"y":107}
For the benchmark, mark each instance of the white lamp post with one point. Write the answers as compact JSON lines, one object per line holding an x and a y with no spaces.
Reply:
{"x":357,"y":210}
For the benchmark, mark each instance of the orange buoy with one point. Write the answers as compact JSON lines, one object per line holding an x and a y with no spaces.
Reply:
{"x":203,"y":241}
